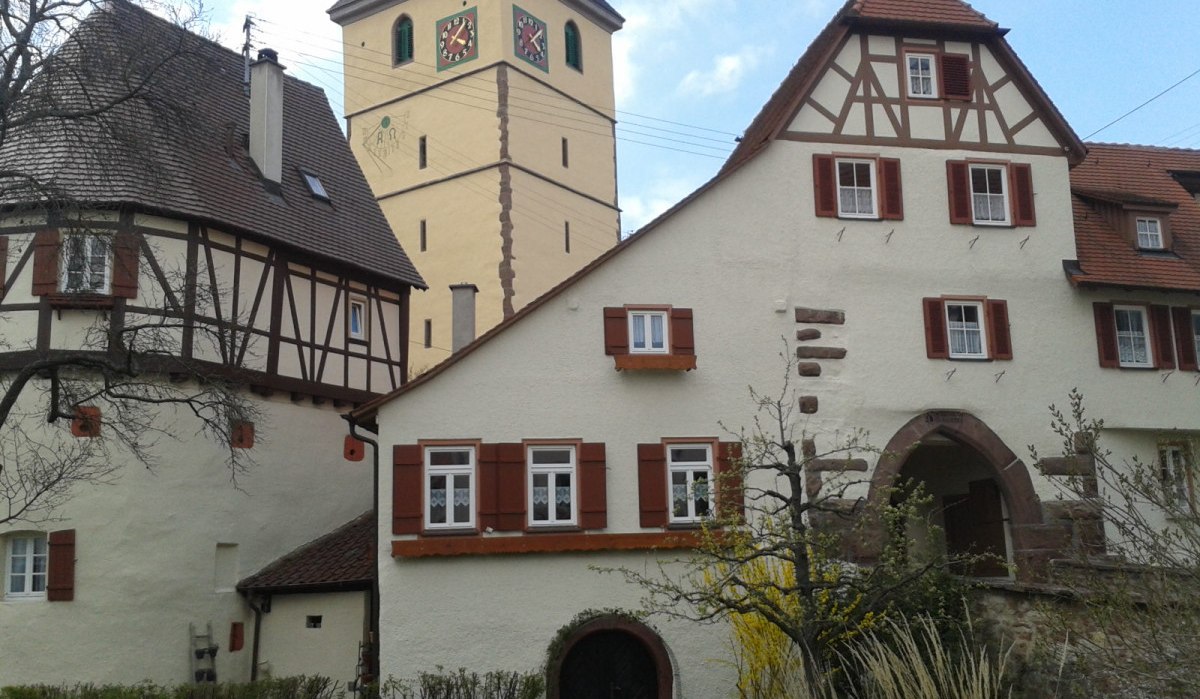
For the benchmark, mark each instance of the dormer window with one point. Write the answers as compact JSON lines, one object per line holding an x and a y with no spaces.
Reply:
{"x":922,"y":80}
{"x":648,"y":332}
{"x":314,"y":185}
{"x":1149,"y":234}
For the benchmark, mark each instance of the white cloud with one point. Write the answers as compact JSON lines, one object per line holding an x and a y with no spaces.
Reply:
{"x":725,"y":76}
{"x":640,"y":209}
{"x":648,"y":23}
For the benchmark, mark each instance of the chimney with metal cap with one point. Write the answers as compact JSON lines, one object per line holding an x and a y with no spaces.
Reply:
{"x":266,"y":115}
{"x":462,"y":315}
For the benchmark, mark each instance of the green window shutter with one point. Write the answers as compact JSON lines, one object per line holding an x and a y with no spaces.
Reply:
{"x":572,"y":40}
{"x":404,"y":41}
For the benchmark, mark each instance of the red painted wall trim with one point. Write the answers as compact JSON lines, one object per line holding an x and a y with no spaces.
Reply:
{"x":542,"y":543}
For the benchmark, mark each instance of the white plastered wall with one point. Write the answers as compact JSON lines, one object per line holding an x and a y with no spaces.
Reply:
{"x":290,"y":647}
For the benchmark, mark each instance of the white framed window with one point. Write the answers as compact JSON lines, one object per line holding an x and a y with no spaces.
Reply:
{"x":922,"y":75}
{"x":965,"y":330}
{"x":1175,"y":464}
{"x":689,"y":478}
{"x":1149,"y":233}
{"x":357,"y":318}
{"x":989,"y":194}
{"x":25,"y":566}
{"x":449,"y":487}
{"x":856,"y":188}
{"x":648,"y":332}
{"x":85,"y":264}
{"x":1133,"y":337}
{"x":552,"y":485}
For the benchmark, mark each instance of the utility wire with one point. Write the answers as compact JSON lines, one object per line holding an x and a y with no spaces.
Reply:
{"x":1143,"y":104}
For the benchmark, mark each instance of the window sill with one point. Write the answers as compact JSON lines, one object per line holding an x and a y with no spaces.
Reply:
{"x":651,"y":362}
{"x":357,"y":341}
{"x":555,"y":543}
{"x":553,"y":529}
{"x":993,"y":224}
{"x":451,"y":531}
{"x":68,"y":300}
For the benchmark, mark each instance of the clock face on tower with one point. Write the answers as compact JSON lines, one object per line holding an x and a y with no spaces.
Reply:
{"x":529,"y":38}
{"x":456,"y":41}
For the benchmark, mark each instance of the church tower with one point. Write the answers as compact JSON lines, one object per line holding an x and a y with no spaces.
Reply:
{"x":486,"y":129}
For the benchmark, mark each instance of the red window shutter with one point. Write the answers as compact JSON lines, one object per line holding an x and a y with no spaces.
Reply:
{"x":999,"y":339}
{"x":958,"y":183}
{"x":1185,"y":344}
{"x":125,"y":265}
{"x":683,"y":340}
{"x":891,"y":193}
{"x":3,"y":263}
{"x":510,"y":487}
{"x":956,"y":76}
{"x":489,"y":464}
{"x":1106,"y":334}
{"x":616,"y":331}
{"x":937,"y":346}
{"x":407,"y":464}
{"x":1022,"y":200}
{"x":60,"y":574}
{"x":241,"y":435}
{"x":353,"y":449}
{"x":652,"y":484}
{"x":237,"y":636}
{"x":593,"y":490}
{"x":824,"y":185}
{"x":731,"y":495}
{"x":1160,"y":332}
{"x":46,"y":247}
{"x":86,"y":422}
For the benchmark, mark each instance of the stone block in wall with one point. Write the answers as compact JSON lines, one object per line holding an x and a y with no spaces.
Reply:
{"x":820,"y":352}
{"x":812,"y":483}
{"x":808,"y":404}
{"x":808,"y":448}
{"x":809,"y":369}
{"x":837,"y":465}
{"x":1033,"y":565}
{"x":1056,"y":536}
{"x":817,"y":315}
{"x":1072,"y":510}
{"x":808,"y":334}
{"x":1078,"y":465}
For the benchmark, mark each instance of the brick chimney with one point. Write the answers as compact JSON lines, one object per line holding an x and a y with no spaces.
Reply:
{"x":462,"y":315}
{"x":266,"y":115}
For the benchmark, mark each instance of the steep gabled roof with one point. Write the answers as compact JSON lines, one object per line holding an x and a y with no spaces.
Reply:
{"x":179,"y":147}
{"x":945,"y":16}
{"x":343,"y":559}
{"x":1136,"y":176}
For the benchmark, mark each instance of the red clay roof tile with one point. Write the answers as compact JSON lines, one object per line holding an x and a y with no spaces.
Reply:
{"x":344,"y":559}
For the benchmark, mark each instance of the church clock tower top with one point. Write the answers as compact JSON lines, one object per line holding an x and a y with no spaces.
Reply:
{"x":346,"y":11}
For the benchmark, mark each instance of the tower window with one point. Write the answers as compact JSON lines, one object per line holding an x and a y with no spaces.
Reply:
{"x":567,"y":237}
{"x":428,"y":333}
{"x":422,"y":153}
{"x":402,"y":50}
{"x":565,"y":153}
{"x":423,"y":240}
{"x":574,"y":50}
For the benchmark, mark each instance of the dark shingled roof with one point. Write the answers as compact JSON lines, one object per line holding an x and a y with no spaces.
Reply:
{"x":179,"y":147}
{"x":1136,"y":175}
{"x":344,"y":559}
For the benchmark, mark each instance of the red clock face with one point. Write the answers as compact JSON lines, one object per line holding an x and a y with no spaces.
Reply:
{"x":529,"y":38}
{"x":456,"y":40}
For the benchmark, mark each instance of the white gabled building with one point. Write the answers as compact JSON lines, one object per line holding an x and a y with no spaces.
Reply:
{"x":900,"y":211}
{"x":263,"y":250}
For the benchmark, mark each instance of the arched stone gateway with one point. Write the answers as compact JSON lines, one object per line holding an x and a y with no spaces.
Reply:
{"x":610,"y":656}
{"x":1030,"y":541}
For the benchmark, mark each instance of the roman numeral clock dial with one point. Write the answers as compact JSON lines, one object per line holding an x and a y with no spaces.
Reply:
{"x":529,"y":39}
{"x":456,"y":40}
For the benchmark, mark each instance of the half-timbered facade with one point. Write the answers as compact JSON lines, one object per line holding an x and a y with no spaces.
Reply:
{"x":244,"y":247}
{"x":899,"y":212}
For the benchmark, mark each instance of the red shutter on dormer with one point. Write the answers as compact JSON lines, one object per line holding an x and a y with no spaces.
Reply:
{"x":488,"y":468}
{"x":616,"y":331}
{"x":958,"y":184}
{"x":956,"y":76}
{"x":731,"y":494}
{"x":683,"y":341}
{"x":1160,"y":331}
{"x":891,"y":194}
{"x":1022,"y":200}
{"x":125,"y":265}
{"x":999,"y":339}
{"x":593,"y":489}
{"x":652,"y":484}
{"x":3,"y":264}
{"x":936,"y":344}
{"x":46,"y":247}
{"x":510,"y":487}
{"x":824,"y":185}
{"x":60,"y":571}
{"x":1185,"y":343}
{"x":1106,"y":335}
{"x":407,"y":465}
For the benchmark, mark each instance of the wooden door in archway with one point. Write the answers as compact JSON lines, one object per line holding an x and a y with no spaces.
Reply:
{"x":609,"y":664}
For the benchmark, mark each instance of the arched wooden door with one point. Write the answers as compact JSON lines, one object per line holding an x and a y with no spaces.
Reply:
{"x":612,"y":658}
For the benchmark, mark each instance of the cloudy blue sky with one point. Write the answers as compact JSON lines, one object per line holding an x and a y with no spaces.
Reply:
{"x":691,"y":74}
